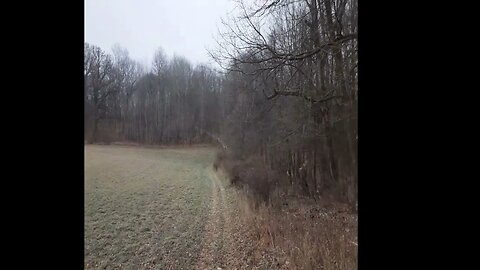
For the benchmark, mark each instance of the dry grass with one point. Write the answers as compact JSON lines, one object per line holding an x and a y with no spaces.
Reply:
{"x":290,"y":232}
{"x":303,"y":235}
{"x":296,"y":233}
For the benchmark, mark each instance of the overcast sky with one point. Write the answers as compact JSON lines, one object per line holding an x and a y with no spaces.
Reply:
{"x":184,"y":27}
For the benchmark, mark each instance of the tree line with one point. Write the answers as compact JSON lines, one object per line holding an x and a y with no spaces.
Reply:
{"x":174,"y":103}
{"x":284,"y":105}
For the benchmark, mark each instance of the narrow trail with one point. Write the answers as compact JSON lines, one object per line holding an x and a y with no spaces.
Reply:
{"x":225,"y":239}
{"x":217,"y":229}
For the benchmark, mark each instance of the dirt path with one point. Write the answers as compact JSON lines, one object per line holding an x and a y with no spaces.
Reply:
{"x":160,"y":209}
{"x":226,"y":244}
{"x":217,"y":229}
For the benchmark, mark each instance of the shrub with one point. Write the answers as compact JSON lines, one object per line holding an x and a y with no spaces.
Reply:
{"x":251,"y":174}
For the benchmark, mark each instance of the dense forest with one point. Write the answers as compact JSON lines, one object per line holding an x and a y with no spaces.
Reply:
{"x":283,"y":105}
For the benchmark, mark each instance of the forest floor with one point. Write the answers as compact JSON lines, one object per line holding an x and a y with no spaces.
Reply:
{"x":166,"y":208}
{"x":150,"y":208}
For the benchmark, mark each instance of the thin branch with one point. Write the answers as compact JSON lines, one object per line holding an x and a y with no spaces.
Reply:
{"x":302,"y":95}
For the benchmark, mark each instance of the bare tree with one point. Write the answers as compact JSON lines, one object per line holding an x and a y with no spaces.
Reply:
{"x":287,"y":99}
{"x":99,"y":82}
{"x":305,"y":50}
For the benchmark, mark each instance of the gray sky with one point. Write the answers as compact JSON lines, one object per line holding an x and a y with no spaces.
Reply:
{"x":184,"y":27}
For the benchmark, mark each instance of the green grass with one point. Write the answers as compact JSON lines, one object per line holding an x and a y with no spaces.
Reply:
{"x":145,"y":208}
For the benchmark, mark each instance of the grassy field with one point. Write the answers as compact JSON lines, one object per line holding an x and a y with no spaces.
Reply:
{"x":145,"y":208}
{"x":166,"y":208}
